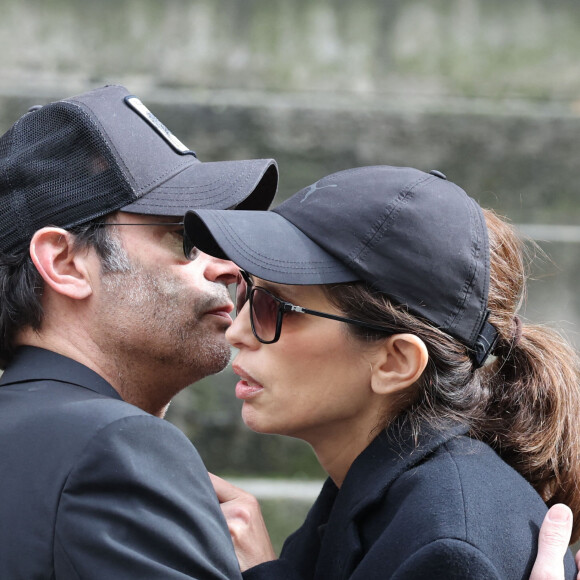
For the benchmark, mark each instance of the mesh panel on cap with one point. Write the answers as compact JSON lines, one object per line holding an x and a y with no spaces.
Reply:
{"x":57,"y":169}
{"x":7,"y":225}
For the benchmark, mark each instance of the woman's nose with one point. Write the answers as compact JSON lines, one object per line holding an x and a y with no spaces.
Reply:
{"x":240,"y":334}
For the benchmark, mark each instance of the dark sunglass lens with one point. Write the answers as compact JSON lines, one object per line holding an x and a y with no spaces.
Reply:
{"x":265,"y":314}
{"x":241,"y":294}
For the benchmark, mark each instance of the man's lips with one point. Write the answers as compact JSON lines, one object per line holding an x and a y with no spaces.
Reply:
{"x":222,"y":311}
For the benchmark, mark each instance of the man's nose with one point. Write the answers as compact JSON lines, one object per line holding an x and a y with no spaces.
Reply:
{"x":218,"y":270}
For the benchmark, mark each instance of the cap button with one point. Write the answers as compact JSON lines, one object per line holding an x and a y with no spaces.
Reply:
{"x":35,"y":108}
{"x":438,"y":174}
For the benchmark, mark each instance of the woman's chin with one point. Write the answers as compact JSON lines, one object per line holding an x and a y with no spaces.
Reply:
{"x":253,"y":421}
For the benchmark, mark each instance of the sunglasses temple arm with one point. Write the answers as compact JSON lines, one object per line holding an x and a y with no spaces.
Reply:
{"x":288,"y":307}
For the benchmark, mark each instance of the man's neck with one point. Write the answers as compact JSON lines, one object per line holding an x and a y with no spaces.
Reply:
{"x":150,"y":389}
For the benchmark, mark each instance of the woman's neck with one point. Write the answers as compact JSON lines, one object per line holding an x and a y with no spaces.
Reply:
{"x":337,"y":451}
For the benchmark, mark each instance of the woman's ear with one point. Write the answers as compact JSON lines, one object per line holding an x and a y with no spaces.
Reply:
{"x":398,"y":363}
{"x":62,"y":268}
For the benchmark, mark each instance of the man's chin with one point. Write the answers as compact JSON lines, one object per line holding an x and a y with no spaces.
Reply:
{"x":209,"y":360}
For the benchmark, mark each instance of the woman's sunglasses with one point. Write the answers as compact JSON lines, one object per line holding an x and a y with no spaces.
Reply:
{"x":267,"y":311}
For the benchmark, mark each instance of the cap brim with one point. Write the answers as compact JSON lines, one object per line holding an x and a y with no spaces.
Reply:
{"x":266,"y":245}
{"x":248,"y":184}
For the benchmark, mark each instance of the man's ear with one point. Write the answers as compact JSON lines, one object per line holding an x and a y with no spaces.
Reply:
{"x":62,"y":268}
{"x":398,"y":363}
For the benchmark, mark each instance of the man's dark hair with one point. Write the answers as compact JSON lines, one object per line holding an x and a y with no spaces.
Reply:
{"x":21,"y":285}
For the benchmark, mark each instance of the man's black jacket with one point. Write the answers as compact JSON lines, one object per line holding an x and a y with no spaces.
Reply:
{"x":93,"y":487}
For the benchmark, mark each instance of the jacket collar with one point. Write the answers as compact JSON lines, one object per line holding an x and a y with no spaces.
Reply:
{"x":390,"y":454}
{"x":31,"y":363}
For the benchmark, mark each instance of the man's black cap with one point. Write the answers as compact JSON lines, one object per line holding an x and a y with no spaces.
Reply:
{"x":414,"y":236}
{"x":75,"y":160}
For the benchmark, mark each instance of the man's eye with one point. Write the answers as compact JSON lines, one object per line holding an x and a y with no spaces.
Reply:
{"x":193,"y":254}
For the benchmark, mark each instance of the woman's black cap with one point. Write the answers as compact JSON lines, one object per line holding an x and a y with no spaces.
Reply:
{"x":415,"y":236}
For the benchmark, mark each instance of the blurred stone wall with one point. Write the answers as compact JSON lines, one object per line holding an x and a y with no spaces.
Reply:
{"x":486,"y":91}
{"x":473,"y":48}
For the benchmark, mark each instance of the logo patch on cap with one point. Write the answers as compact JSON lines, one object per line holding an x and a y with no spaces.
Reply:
{"x":314,"y":187}
{"x":150,"y":118}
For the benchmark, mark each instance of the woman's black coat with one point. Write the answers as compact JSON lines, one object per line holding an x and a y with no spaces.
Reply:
{"x":448,"y":508}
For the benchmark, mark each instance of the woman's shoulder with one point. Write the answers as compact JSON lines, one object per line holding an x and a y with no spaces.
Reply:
{"x":445,"y":484}
{"x":447,"y":455}
{"x":475,"y":467}
{"x":463,"y":494}
{"x":473,"y":473}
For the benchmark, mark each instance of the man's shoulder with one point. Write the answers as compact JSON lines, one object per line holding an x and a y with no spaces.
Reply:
{"x":68,"y":416}
{"x":53,"y":396}
{"x":61,"y":427}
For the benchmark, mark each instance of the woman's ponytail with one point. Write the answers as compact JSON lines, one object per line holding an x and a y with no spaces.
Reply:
{"x":532,"y":417}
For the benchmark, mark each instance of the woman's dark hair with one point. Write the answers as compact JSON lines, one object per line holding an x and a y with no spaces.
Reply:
{"x":21,"y":286}
{"x":525,"y":403}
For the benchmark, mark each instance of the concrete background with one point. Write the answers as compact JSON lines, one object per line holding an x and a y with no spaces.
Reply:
{"x":475,"y":48}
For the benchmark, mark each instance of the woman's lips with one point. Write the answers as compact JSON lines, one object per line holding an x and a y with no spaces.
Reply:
{"x":246,"y":391}
{"x":247,"y":387}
